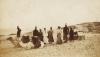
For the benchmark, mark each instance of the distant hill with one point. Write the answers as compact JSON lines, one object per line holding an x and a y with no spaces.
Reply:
{"x":91,"y":26}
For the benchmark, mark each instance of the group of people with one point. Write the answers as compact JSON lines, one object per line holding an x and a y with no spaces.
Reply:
{"x":42,"y":36}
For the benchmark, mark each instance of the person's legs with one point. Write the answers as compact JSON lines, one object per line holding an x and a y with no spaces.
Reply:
{"x":66,"y":38}
{"x":45,"y":39}
{"x":71,"y":38}
{"x":63,"y":36}
{"x":59,"y":41}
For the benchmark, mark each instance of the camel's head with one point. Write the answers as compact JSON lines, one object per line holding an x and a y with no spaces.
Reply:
{"x":9,"y":38}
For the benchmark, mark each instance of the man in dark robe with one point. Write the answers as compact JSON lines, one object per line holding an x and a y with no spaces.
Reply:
{"x":50,"y":36}
{"x":41,"y":35}
{"x":65,"y":33}
{"x":35,"y":32}
{"x":71,"y":34}
{"x":35,"y":38}
{"x":18,"y":31}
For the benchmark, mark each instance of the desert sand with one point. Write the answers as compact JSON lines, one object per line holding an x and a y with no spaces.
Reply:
{"x":90,"y":47}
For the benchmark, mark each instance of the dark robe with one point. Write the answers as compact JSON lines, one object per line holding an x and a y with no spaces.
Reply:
{"x":65,"y":33}
{"x":35,"y":39}
{"x":36,"y":42}
{"x":71,"y":35}
{"x":35,"y":33}
{"x":18,"y":32}
{"x":59,"y":41}
{"x":41,"y":36}
{"x":50,"y":36}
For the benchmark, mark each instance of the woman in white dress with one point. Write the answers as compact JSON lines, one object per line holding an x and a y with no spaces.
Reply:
{"x":45,"y":34}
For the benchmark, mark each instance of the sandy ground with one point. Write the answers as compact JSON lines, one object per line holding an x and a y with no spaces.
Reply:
{"x":90,"y":47}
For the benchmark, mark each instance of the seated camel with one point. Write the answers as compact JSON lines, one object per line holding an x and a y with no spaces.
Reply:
{"x":25,"y":42}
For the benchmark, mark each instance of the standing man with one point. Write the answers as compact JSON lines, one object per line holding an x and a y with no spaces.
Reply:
{"x":35,"y":38}
{"x":41,"y":35}
{"x":18,"y":31}
{"x":65,"y":33}
{"x":71,"y":34}
{"x":50,"y":36}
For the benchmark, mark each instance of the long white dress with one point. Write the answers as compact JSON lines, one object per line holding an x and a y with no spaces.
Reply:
{"x":45,"y":34}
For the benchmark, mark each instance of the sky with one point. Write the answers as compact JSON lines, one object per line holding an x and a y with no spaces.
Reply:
{"x":46,"y":13}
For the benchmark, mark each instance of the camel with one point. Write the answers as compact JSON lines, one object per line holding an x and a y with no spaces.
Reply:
{"x":27,"y":44}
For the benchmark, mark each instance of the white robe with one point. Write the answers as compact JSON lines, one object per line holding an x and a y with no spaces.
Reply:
{"x":45,"y":34}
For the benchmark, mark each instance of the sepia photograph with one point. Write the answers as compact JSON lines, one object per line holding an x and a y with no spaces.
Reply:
{"x":49,"y":28}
